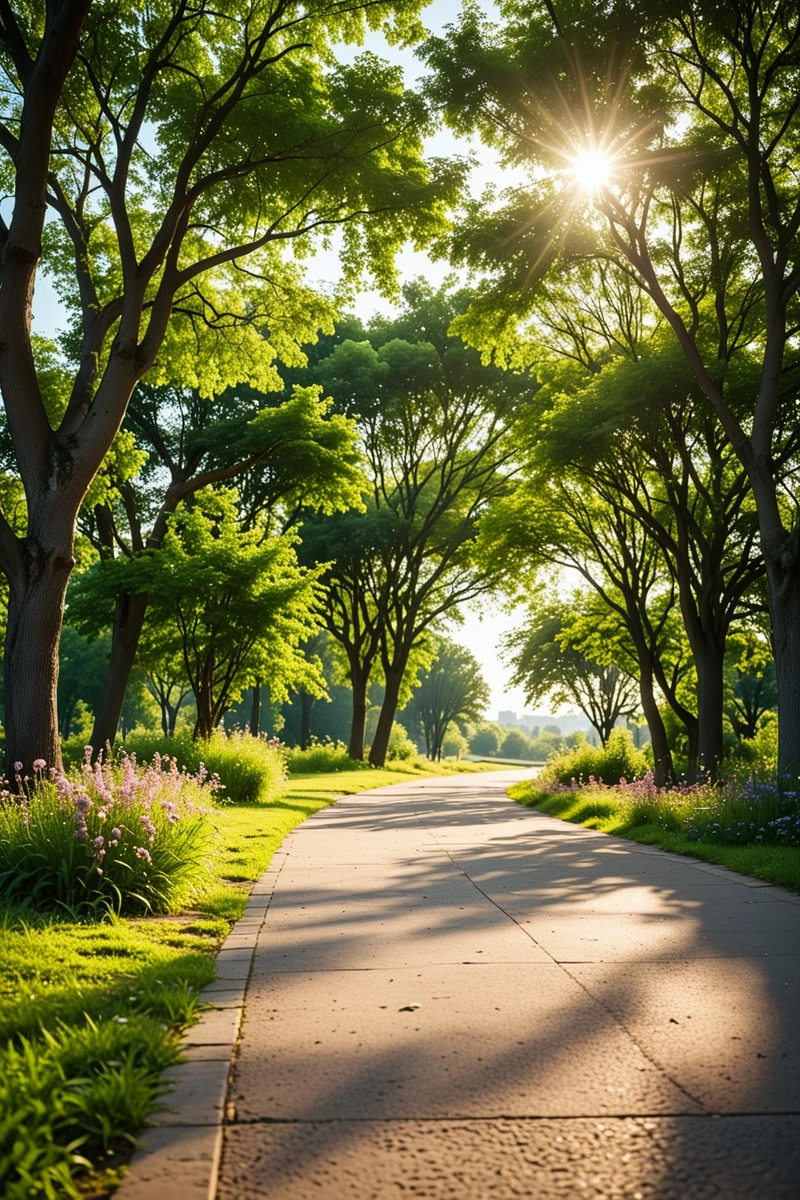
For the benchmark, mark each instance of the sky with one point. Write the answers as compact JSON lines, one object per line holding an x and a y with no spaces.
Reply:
{"x":480,"y":631}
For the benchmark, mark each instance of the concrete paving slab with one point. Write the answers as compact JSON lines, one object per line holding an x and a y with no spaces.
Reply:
{"x":221,"y":995}
{"x":174,"y":1162}
{"x":726,"y":1029}
{"x":220,"y":1025}
{"x":198,"y":1095}
{"x":660,"y":1158}
{"x":480,"y":1041}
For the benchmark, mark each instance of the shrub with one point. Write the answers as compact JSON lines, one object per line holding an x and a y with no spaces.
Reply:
{"x":401,"y":748}
{"x":322,"y":756}
{"x":454,"y":744}
{"x":619,"y":759}
{"x":250,"y":770}
{"x":112,"y":836}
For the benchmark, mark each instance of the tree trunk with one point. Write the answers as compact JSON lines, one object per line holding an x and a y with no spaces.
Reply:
{"x":358,"y":725}
{"x":663,"y":769}
{"x":784,"y":587}
{"x":129,"y":615}
{"x":709,"y":665}
{"x":255,"y":711}
{"x":204,"y":725}
{"x":35,"y":615}
{"x":380,"y":742}
{"x":306,"y":704}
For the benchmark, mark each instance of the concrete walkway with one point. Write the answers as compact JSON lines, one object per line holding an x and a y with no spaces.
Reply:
{"x":454,"y":996}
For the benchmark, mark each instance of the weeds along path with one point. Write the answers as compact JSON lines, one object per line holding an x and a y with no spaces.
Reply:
{"x":453,"y":996}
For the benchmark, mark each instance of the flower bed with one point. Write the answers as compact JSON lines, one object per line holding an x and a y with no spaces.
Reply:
{"x":115,"y":835}
{"x":742,"y":810}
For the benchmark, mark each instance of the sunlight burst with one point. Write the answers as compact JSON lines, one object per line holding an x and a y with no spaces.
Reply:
{"x":591,"y":170}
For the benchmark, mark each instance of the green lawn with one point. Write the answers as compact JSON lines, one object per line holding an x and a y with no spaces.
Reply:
{"x":775,"y":864}
{"x":91,"y":1012}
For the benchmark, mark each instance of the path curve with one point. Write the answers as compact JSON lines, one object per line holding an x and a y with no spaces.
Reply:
{"x":454,"y":996}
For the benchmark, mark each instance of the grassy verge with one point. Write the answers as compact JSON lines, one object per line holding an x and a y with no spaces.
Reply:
{"x":599,"y":810}
{"x":92,"y":1011}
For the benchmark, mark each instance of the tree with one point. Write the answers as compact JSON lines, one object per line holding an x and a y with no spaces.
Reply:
{"x":287,"y":455}
{"x":555,"y":518}
{"x":353,"y":546}
{"x":450,"y":691}
{"x":159,"y":657}
{"x":437,"y":429}
{"x":238,"y":601}
{"x":178,"y":148}
{"x":702,"y":213}
{"x":671,"y":467}
{"x":516,"y":744}
{"x":551,"y":659}
{"x":486,"y":739}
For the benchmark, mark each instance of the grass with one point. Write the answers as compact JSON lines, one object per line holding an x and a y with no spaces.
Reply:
{"x":91,"y":1011}
{"x":598,"y":809}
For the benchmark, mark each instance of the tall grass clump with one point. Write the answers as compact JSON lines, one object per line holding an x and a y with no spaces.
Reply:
{"x":618,"y":759}
{"x":111,"y":836}
{"x":75,"y":1091}
{"x":249,"y":769}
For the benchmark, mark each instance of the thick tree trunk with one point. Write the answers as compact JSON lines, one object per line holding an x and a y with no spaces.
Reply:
{"x":255,"y":711}
{"x":709,"y":664}
{"x":383,"y":731}
{"x":358,"y":726}
{"x":35,"y":615}
{"x":129,"y":615}
{"x":784,"y":586}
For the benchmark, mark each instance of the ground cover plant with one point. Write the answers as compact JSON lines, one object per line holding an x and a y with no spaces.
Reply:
{"x":92,"y":1006}
{"x":746,"y":823}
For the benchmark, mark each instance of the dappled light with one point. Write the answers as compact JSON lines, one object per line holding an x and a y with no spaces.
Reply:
{"x":492,"y":961}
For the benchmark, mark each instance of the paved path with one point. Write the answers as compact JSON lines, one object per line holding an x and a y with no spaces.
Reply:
{"x":457,"y":997}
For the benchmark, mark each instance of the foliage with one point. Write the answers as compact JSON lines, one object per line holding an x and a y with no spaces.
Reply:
{"x":618,"y":759}
{"x":238,"y":599}
{"x":516,"y":744}
{"x":113,"y":837}
{"x":436,"y":425}
{"x":759,"y":753}
{"x":77,"y":1090}
{"x":486,"y":738}
{"x":451,"y":690}
{"x":742,"y":810}
{"x":401,"y":748}
{"x":693,"y":108}
{"x":322,"y":756}
{"x":249,"y":770}
{"x":563,"y":653}
{"x":454,"y":744}
{"x":82,"y":667}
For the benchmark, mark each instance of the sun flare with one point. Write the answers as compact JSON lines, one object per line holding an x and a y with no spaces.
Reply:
{"x":591,"y":170}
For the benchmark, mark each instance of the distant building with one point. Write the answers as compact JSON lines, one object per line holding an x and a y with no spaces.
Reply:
{"x":529,"y":724}
{"x":506,"y":717}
